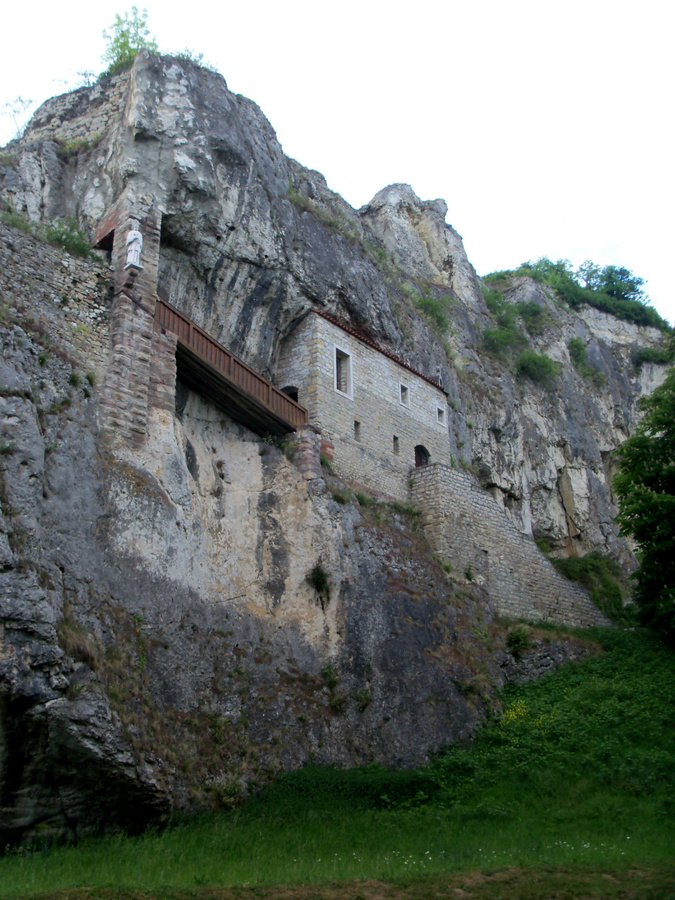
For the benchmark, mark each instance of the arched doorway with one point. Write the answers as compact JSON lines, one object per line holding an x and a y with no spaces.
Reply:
{"x":421,"y":456}
{"x":291,"y":391}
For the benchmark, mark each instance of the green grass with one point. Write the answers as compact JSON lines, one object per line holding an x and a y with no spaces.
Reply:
{"x":574,"y":781}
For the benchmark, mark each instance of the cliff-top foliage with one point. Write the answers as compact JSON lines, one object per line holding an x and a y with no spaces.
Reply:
{"x":612,"y":289}
{"x":127,"y":35}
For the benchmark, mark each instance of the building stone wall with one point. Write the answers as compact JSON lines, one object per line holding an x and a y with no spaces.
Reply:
{"x":466,"y":527}
{"x":67,"y":297}
{"x":140,"y":358}
{"x":83,"y":115}
{"x":364,"y":453}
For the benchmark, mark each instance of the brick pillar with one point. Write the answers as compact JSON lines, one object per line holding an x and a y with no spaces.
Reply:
{"x":162,"y":388}
{"x":130,"y":383}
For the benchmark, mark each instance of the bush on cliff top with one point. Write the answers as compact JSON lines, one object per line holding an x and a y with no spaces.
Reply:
{"x":127,"y":36}
{"x":612,"y":289}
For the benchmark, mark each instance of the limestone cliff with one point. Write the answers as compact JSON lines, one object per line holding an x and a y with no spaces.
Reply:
{"x":184,"y":616}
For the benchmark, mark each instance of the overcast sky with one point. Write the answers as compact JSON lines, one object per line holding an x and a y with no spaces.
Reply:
{"x":547,"y":127}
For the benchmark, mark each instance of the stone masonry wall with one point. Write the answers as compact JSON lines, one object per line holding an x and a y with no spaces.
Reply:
{"x":142,"y":363}
{"x":69,"y":296}
{"x":84,"y":115}
{"x":307,"y":361}
{"x":465,"y":526}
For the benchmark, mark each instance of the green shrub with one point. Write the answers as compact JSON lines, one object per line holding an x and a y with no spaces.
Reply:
{"x":659,"y":355}
{"x":518,"y":640}
{"x":577,"y":352}
{"x":318,"y":578}
{"x":433,"y":310}
{"x":600,"y":575}
{"x":330,"y":677}
{"x":16,"y":220}
{"x":364,"y":499}
{"x":533,"y":315}
{"x":341,"y":496}
{"x":325,"y":462}
{"x":537,"y":367}
{"x":128,"y":35}
{"x":68,"y":149}
{"x":494,"y":300}
{"x":66,"y":234}
{"x":503,"y":341}
{"x":405,"y":509}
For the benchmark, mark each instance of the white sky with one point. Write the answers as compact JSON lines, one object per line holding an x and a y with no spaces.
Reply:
{"x":547,"y":127}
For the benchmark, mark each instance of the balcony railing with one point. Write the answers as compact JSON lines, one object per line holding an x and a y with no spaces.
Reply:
{"x":235,"y":386}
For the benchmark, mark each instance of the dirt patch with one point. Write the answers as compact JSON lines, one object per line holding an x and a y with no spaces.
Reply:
{"x":646,"y":883}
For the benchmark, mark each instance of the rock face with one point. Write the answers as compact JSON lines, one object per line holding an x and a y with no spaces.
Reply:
{"x":183,"y":620}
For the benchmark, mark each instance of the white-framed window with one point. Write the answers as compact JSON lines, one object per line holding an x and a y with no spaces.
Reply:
{"x":343,"y":382}
{"x":441,"y":418}
{"x":404,"y":395}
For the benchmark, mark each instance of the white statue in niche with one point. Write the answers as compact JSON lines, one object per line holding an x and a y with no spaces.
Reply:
{"x":134,"y":247}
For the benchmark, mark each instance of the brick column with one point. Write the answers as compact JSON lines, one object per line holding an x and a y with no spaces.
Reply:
{"x":142,"y":361}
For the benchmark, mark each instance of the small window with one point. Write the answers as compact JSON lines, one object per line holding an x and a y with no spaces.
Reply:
{"x":404,"y":395}
{"x":290,"y":391}
{"x":343,"y":372}
{"x":440,"y":415}
{"x":397,"y":448}
{"x":357,"y":430}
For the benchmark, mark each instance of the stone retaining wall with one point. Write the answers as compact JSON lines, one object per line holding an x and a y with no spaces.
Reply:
{"x":467,"y":528}
{"x":83,"y":115}
{"x":69,"y":297}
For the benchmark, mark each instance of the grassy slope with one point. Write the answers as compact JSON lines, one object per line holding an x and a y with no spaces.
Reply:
{"x":573,"y":787}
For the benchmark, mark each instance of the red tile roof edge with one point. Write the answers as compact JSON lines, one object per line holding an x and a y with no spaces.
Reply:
{"x":366,"y":340}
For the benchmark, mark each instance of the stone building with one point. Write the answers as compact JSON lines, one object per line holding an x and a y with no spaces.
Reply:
{"x":378,"y":416}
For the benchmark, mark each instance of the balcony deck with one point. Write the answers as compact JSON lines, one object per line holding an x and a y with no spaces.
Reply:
{"x":236,"y":388}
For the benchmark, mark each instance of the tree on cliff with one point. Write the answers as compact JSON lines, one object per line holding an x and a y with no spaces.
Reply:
{"x":128,"y":35}
{"x":645,"y":485}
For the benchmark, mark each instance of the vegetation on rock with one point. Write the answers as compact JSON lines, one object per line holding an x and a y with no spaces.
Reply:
{"x":508,"y":341}
{"x":577,"y":352}
{"x":645,"y":486}
{"x":612,"y":289}
{"x":127,"y":36}
{"x":64,"y":232}
{"x":600,"y":575}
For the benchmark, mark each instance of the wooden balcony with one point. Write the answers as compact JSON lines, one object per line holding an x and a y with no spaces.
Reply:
{"x":232,"y":385}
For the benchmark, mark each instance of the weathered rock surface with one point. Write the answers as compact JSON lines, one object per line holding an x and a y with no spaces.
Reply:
{"x":161,"y":642}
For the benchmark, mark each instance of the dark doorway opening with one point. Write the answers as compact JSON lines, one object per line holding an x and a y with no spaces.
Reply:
{"x":421,"y":456}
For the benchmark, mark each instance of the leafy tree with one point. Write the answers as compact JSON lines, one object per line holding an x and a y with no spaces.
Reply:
{"x":620,"y":282}
{"x":128,"y":35}
{"x":589,"y":274}
{"x":645,"y":486}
